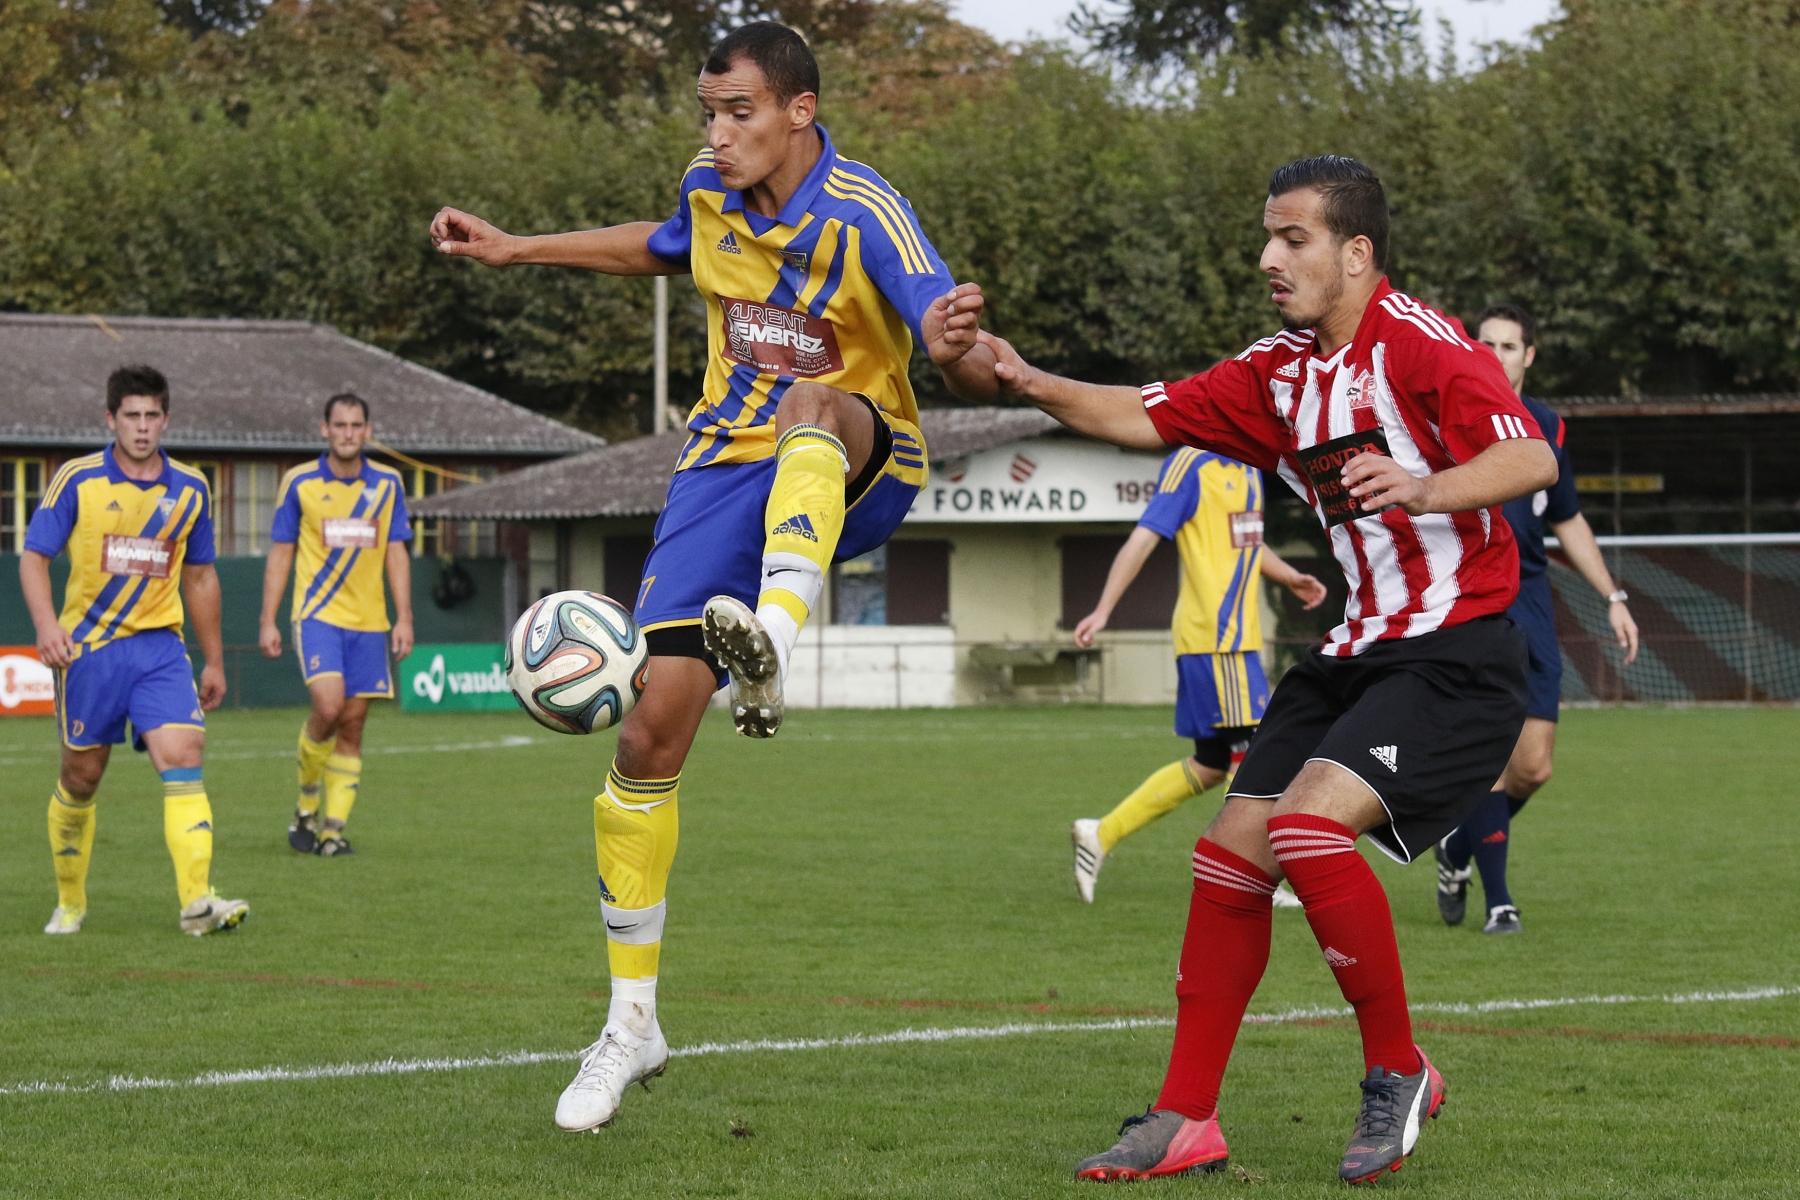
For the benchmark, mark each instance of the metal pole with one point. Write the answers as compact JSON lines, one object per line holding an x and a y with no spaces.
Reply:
{"x":659,"y":412}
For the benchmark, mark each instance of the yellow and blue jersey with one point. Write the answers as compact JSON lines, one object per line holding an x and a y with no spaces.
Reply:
{"x":127,"y":543}
{"x":832,"y":291}
{"x":1212,"y":508}
{"x":340,"y":530}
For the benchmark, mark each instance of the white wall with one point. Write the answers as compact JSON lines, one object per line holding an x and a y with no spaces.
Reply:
{"x":873,"y":666}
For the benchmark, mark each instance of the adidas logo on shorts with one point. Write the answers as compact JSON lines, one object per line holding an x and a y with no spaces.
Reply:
{"x":728,"y":243}
{"x":1387,"y":756}
{"x":799,"y":525}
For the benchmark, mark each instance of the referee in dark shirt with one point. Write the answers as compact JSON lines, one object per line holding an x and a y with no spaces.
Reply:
{"x":1483,"y":840}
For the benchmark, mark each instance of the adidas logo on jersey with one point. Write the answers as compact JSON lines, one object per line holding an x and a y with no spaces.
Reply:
{"x":1387,"y":756}
{"x":1337,"y":958}
{"x":728,"y":243}
{"x":114,"y":507}
{"x":1289,"y":370}
{"x":799,"y":525}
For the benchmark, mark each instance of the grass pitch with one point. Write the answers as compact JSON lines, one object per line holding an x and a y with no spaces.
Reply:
{"x":862,"y":874}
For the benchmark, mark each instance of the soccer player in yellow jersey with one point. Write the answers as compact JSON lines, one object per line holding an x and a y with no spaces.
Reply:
{"x":343,"y":520}
{"x":1213,"y":509}
{"x":138,"y":528}
{"x":804,"y":449}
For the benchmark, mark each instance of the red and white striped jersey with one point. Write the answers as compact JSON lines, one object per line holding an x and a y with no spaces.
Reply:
{"x":1412,"y":385}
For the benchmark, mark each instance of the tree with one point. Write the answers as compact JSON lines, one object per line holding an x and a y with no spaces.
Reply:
{"x":58,"y":58}
{"x":198,"y":17}
{"x":1152,"y":34}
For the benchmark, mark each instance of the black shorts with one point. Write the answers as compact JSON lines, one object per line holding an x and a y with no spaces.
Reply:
{"x":1216,"y":751}
{"x":1427,"y":722}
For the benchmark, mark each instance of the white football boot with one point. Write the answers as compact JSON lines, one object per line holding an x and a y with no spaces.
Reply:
{"x":66,"y":920}
{"x":619,"y":1059}
{"x":737,"y":638}
{"x":1084,"y":835}
{"x":1284,"y":898}
{"x":212,"y":914}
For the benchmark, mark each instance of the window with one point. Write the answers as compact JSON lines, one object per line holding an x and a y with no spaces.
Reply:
{"x":624,"y":558}
{"x":435,"y":536}
{"x":918,"y":582}
{"x":21,"y":487}
{"x":252,"y":507}
{"x":860,"y":589}
{"x":1148,"y":604}
{"x":427,"y":531}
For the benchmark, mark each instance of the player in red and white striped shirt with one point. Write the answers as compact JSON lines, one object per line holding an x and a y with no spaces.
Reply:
{"x":1404,"y":436}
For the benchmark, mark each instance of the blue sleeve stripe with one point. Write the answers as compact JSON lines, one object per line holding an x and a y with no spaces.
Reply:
{"x":886,"y":210}
{"x":868,"y":177}
{"x":65,"y":475}
{"x":909,"y":226}
{"x":1177,"y":468}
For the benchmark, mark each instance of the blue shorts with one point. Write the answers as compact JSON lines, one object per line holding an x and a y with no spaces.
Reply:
{"x":145,"y":679}
{"x":360,"y":656}
{"x":709,"y":538}
{"x":1218,"y":692}
{"x":1534,"y":614}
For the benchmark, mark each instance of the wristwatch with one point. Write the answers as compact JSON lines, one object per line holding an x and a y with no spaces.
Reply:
{"x":1619,"y":597}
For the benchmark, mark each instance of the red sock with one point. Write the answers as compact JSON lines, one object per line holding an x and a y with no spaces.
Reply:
{"x":1349,"y":914}
{"x":1223,"y":955}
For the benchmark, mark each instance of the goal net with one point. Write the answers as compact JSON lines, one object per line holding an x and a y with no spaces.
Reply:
{"x":1719,"y":616}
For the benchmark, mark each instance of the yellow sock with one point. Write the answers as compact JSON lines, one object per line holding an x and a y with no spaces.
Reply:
{"x":312,"y":770}
{"x":804,"y":519}
{"x":71,"y":846}
{"x":1157,"y":796}
{"x":187,"y":827}
{"x":343,"y":775}
{"x":635,"y":831}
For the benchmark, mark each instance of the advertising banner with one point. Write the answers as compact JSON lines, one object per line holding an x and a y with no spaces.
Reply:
{"x":1040,"y":480}
{"x":27,"y":686}
{"x":461,"y":677}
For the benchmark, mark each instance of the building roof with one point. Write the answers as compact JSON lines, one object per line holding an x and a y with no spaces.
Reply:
{"x":630,"y":479}
{"x":249,"y":385}
{"x":1675,"y":406}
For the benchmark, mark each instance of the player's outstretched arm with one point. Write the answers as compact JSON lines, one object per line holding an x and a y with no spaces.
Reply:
{"x":1111,"y":414}
{"x":1305,"y":586}
{"x":200,"y":589}
{"x":615,"y":250}
{"x":1578,"y":542}
{"x":275,"y":577}
{"x":1504,"y":471}
{"x":54,"y":645}
{"x":1125,"y":567}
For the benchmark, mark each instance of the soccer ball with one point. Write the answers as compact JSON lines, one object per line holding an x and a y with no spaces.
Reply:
{"x":576,"y":662}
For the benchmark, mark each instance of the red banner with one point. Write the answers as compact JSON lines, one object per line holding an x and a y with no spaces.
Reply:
{"x":27,"y":686}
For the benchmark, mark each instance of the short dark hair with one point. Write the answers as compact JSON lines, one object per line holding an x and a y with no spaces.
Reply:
{"x":1510,"y":312}
{"x":781,"y":54}
{"x":136,"y":381}
{"x":346,"y":398}
{"x":1355,"y":204}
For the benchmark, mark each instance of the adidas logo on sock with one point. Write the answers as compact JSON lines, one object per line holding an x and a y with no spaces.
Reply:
{"x":1494,"y":838}
{"x":1289,"y":370}
{"x":1387,"y":756}
{"x":728,"y":243}
{"x":799,"y":525}
{"x":1335,"y":959}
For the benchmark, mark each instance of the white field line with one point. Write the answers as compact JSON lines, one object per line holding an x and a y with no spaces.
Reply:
{"x":514,"y":741}
{"x":413,"y":1066}
{"x":506,"y":743}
